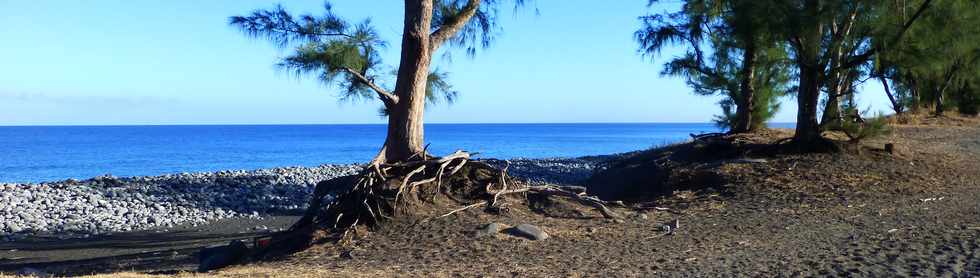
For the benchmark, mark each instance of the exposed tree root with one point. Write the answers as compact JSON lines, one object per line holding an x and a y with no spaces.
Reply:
{"x":464,"y":208}
{"x":386,"y":191}
{"x":417,"y":191}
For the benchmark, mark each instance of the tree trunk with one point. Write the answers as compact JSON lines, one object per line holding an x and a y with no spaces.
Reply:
{"x":914,"y":94}
{"x":405,"y":130}
{"x":807,"y":128}
{"x":808,"y":54}
{"x":942,"y":89}
{"x":891,"y":97}
{"x":831,"y":111}
{"x":746,"y":100}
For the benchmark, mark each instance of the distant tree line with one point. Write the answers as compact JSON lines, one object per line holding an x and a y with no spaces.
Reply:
{"x":925,"y":53}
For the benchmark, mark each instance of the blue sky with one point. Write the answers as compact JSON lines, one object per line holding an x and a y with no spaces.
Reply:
{"x":178,"y":62}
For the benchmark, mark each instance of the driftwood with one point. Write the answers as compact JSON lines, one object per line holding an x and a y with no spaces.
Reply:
{"x":702,"y":136}
{"x":464,"y":208}
{"x":573,"y":192}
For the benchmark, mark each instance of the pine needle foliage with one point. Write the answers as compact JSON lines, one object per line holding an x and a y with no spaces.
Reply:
{"x":716,"y":34}
{"x":342,"y":54}
{"x":858,"y":128}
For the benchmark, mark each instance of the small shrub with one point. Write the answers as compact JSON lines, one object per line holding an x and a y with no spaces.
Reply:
{"x":969,"y":103}
{"x":858,"y":128}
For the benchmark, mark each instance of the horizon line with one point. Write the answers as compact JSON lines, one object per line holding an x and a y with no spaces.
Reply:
{"x":316,"y":124}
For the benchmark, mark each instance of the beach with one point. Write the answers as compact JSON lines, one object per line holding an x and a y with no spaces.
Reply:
{"x":105,"y":205}
{"x":913,"y":212}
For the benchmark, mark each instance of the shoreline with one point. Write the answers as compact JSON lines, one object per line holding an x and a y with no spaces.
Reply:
{"x":106,"y":204}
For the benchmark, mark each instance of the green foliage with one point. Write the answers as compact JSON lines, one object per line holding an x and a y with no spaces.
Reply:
{"x":437,"y":90}
{"x":766,"y":106}
{"x":939,"y":56}
{"x":347,"y":55}
{"x":326,"y":46}
{"x":727,"y":28}
{"x":968,"y":101}
{"x":482,"y":28}
{"x":858,"y":128}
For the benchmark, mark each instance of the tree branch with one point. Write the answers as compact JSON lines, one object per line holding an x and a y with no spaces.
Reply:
{"x":859,"y":59}
{"x":389,"y":99}
{"x":449,"y":29}
{"x":309,"y":33}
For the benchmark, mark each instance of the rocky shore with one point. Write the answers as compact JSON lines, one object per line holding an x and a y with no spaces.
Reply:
{"x":108,"y":204}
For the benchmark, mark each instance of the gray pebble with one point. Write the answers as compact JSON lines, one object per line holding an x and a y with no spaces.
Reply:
{"x":528,"y":231}
{"x":107,"y":204}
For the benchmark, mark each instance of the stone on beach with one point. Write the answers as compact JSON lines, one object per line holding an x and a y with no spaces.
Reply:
{"x":528,"y":231}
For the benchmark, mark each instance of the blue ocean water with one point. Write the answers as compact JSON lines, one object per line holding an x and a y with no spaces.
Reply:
{"x":49,"y":153}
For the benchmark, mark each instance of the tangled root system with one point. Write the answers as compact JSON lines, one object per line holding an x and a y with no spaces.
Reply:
{"x":421,"y":190}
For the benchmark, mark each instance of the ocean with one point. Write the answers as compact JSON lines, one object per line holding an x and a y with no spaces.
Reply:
{"x":51,"y":153}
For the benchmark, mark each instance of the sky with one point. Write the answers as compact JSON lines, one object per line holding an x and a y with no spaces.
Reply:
{"x":122,"y":62}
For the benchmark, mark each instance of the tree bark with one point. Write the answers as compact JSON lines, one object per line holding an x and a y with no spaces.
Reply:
{"x":914,"y":94}
{"x":948,"y":78}
{"x":939,"y":101}
{"x":808,"y":45}
{"x":832,"y":115}
{"x":405,"y":130}
{"x":891,"y":97}
{"x":831,"y":111}
{"x":807,"y":128}
{"x":746,"y":100}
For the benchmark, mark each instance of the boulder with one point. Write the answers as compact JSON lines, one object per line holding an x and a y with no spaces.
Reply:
{"x":528,"y":231}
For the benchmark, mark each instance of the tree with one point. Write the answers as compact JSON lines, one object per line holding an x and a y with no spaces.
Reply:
{"x":347,"y":54}
{"x":825,"y":48}
{"x":968,"y":99}
{"x":745,"y":63}
{"x":940,"y":55}
{"x":402,"y":178}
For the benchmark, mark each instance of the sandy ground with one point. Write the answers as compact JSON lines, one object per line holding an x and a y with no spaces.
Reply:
{"x":916,"y":213}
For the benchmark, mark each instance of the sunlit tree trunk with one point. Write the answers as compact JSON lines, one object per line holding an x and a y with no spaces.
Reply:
{"x":405,"y":130}
{"x":831,"y":111}
{"x":891,"y":97}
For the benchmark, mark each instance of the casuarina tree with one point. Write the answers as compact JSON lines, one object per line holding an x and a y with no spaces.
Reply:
{"x":939,"y":57}
{"x":743,"y":62}
{"x":403,"y":182}
{"x":345,"y":53}
{"x":826,"y":49}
